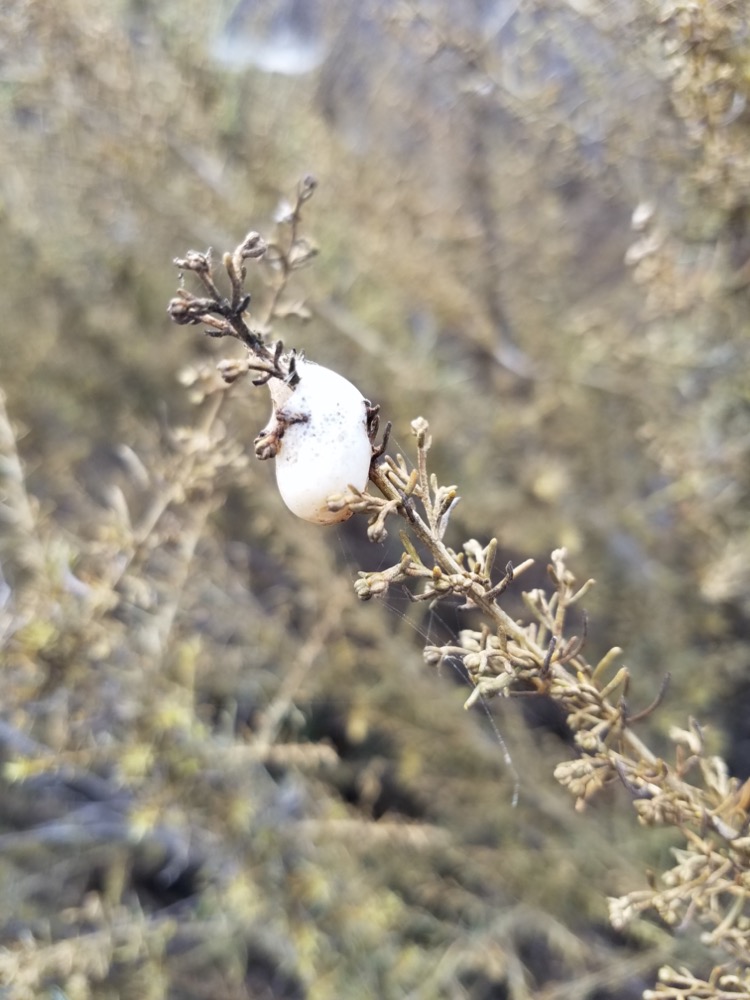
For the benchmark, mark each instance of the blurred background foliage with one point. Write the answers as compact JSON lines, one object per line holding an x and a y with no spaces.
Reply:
{"x":223,"y":777}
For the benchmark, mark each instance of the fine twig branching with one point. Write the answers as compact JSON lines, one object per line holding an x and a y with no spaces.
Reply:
{"x":709,"y":884}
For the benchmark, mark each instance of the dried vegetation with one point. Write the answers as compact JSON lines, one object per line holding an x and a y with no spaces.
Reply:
{"x":221,"y":775}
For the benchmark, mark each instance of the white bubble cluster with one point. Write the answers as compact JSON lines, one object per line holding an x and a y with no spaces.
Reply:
{"x":325,"y":446}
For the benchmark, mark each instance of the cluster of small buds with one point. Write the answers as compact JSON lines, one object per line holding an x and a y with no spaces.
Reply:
{"x":676,"y":984}
{"x":586,"y":776}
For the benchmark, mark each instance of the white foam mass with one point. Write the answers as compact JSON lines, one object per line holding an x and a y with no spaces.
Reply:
{"x":328,"y":449}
